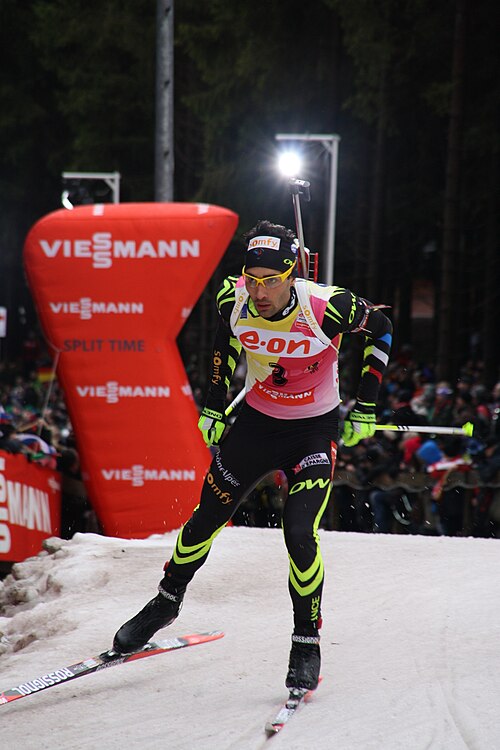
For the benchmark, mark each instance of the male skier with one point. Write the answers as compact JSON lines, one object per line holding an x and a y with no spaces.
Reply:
{"x":291,"y":330}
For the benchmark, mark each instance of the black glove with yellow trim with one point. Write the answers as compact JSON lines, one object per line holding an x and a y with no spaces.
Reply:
{"x":211,"y":424}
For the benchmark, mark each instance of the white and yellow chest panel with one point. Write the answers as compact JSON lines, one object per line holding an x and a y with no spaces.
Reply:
{"x":291,"y":363}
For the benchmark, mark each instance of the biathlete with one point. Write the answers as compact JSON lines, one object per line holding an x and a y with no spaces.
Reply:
{"x":290,"y":330}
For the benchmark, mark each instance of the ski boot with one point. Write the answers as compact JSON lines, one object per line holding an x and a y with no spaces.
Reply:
{"x":158,"y":613}
{"x":304,"y":663}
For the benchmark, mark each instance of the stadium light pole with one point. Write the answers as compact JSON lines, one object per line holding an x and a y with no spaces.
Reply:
{"x":164,"y":106}
{"x":330,"y":143}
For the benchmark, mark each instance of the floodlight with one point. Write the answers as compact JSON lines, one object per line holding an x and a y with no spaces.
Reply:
{"x":330,"y":143}
{"x":289,"y":163}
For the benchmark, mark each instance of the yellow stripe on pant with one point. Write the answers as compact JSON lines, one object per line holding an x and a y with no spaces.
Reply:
{"x":187,"y":554}
{"x":299,"y":579}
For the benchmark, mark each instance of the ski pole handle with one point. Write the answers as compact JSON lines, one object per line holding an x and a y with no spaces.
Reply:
{"x":466,"y":429}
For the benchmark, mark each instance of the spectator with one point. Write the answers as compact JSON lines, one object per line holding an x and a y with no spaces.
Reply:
{"x":77,"y":514}
{"x":9,"y":442}
{"x":39,"y":450}
{"x":495,"y":413}
{"x":442,"y":411}
{"x":486,"y":503}
{"x":450,"y":502}
{"x":429,"y":453}
{"x":463,"y":409}
{"x":264,"y":505}
{"x":422,"y":402}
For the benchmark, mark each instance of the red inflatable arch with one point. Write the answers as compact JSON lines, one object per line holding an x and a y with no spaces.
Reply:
{"x":113,"y":286}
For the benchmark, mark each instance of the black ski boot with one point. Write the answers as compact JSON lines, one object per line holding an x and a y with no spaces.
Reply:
{"x":158,"y":613}
{"x":305,"y":662}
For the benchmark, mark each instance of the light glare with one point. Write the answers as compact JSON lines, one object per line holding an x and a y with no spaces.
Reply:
{"x":289,"y":163}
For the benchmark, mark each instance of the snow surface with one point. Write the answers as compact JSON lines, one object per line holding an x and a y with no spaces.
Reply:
{"x":410,"y":646}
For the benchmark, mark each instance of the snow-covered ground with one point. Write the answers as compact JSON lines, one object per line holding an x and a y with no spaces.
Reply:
{"x":410,"y":646}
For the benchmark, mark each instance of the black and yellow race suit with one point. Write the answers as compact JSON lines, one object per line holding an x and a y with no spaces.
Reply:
{"x":289,"y":423}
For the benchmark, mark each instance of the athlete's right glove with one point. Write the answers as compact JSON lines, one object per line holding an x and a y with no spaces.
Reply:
{"x":360,"y":424}
{"x":212,"y":425}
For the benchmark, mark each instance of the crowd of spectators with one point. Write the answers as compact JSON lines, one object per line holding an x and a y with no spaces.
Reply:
{"x":425,"y":483}
{"x":394,"y":482}
{"x":34,"y":422}
{"x":405,"y":482}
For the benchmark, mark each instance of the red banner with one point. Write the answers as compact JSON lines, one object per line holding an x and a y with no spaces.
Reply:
{"x":113,"y":285}
{"x":30,"y":506}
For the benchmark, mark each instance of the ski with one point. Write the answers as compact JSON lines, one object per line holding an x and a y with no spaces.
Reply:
{"x":296,"y":698}
{"x":103,"y":661}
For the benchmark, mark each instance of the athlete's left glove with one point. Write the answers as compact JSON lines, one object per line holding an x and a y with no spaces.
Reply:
{"x":360,"y":424}
{"x":212,"y":425}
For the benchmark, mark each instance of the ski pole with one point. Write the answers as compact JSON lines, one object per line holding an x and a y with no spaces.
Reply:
{"x":298,"y":188}
{"x":466,"y":429}
{"x":234,"y":403}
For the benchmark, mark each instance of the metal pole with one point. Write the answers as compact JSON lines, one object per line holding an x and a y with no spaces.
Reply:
{"x":333,"y":149}
{"x":234,"y":403}
{"x":298,"y":188}
{"x":115,"y":187}
{"x":164,"y":136}
{"x":466,"y":429}
{"x":49,"y":390}
{"x":330,"y":142}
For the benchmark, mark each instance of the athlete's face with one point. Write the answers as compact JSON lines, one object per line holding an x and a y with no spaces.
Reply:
{"x":269,"y":300}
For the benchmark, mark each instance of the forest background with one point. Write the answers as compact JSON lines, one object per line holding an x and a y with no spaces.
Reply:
{"x":410,"y":86}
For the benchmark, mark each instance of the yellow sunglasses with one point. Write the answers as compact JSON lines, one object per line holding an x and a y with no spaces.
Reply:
{"x":269,"y":282}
